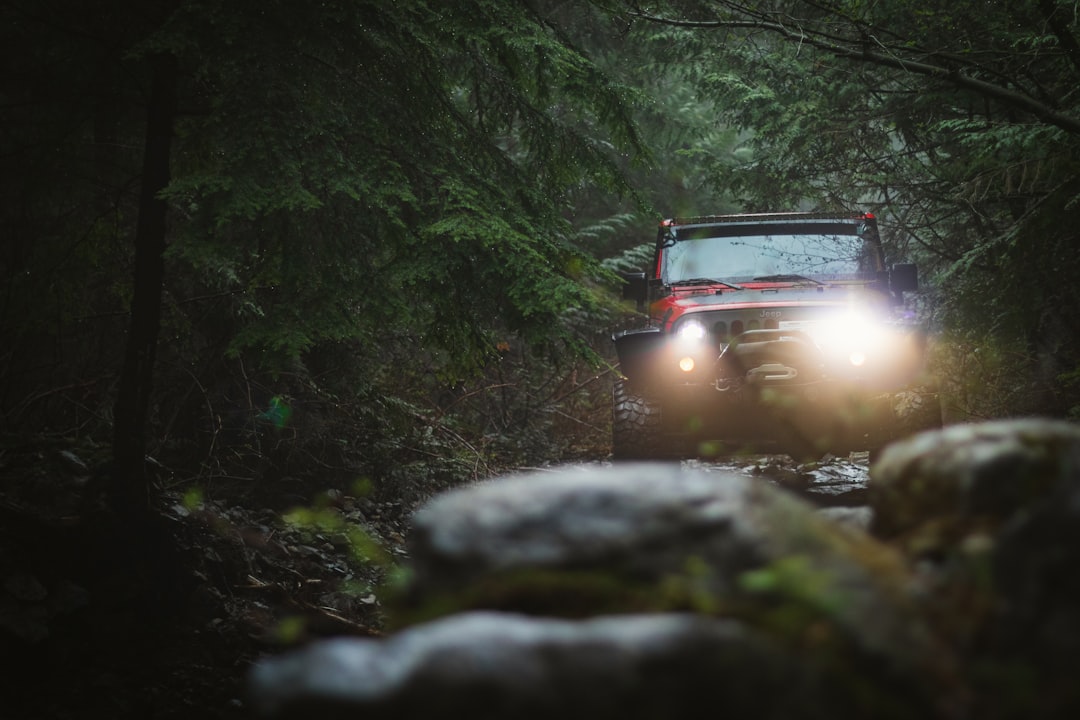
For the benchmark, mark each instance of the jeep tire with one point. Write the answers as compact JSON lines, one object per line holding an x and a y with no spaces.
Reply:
{"x":637,"y":425}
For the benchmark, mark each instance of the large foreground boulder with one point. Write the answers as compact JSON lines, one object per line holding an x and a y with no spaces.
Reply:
{"x":985,"y":471}
{"x":990,"y":514}
{"x":497,"y":665}
{"x":632,"y":591}
{"x":653,"y":537}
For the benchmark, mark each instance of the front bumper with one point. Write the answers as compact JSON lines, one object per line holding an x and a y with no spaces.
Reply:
{"x":818,"y":417}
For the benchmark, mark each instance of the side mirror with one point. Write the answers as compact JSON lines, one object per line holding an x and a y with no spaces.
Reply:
{"x":903,"y":277}
{"x":636,"y":288}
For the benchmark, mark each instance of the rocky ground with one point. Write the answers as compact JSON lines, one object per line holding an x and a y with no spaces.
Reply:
{"x":245,"y":575}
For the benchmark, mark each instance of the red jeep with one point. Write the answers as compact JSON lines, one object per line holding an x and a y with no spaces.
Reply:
{"x":782,"y":332}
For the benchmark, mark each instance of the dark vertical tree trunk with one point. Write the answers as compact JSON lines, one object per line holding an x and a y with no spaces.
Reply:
{"x":130,"y":490}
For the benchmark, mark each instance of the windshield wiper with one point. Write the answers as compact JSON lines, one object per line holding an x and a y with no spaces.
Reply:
{"x":789,"y":278}
{"x":707,"y":281}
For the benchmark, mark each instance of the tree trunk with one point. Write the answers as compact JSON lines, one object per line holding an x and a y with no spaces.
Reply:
{"x":129,"y":489}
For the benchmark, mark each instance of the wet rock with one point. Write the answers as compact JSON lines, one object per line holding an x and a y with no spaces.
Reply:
{"x":858,"y":516}
{"x":632,"y":591}
{"x":829,"y":482}
{"x":1033,"y":565}
{"x":839,"y":482}
{"x":987,"y":470}
{"x":990,"y":513}
{"x":655,"y":537}
{"x":496,"y":665}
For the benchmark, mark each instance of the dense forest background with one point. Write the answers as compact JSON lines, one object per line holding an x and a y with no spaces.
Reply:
{"x":258,"y":257}
{"x":377,"y":241}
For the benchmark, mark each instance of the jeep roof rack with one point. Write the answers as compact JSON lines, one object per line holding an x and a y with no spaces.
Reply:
{"x":765,"y":217}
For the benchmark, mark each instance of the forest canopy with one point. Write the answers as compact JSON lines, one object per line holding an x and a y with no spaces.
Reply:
{"x":351,"y":189}
{"x":378,"y":236}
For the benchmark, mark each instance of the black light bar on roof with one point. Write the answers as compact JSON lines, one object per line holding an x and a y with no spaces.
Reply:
{"x":766,"y":217}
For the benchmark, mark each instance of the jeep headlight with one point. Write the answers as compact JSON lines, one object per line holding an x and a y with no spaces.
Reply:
{"x":850,"y":337}
{"x":692,"y":331}
{"x":690,"y":343}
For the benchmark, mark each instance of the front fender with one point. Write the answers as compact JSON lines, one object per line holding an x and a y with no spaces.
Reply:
{"x":640,"y":353}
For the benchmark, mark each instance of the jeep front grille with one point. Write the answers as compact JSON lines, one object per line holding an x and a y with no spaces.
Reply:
{"x":724,"y":330}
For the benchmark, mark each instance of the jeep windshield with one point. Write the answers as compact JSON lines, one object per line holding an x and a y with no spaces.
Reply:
{"x":738,"y":253}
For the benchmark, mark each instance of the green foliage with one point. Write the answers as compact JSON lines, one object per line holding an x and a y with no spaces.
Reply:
{"x":551,"y":593}
{"x":808,"y":593}
{"x":376,"y":155}
{"x":636,"y":258}
{"x":368,"y":200}
{"x":327,"y":525}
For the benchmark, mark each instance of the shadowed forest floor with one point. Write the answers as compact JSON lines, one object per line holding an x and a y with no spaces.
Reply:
{"x":85,"y":637}
{"x":229,"y":578}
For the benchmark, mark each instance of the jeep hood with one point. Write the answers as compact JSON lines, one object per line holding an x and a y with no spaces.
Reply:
{"x":801,"y":295}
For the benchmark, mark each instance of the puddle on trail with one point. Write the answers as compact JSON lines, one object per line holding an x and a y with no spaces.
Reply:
{"x":831,"y":481}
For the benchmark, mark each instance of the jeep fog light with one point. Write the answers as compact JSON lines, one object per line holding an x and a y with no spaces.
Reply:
{"x":686,"y":364}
